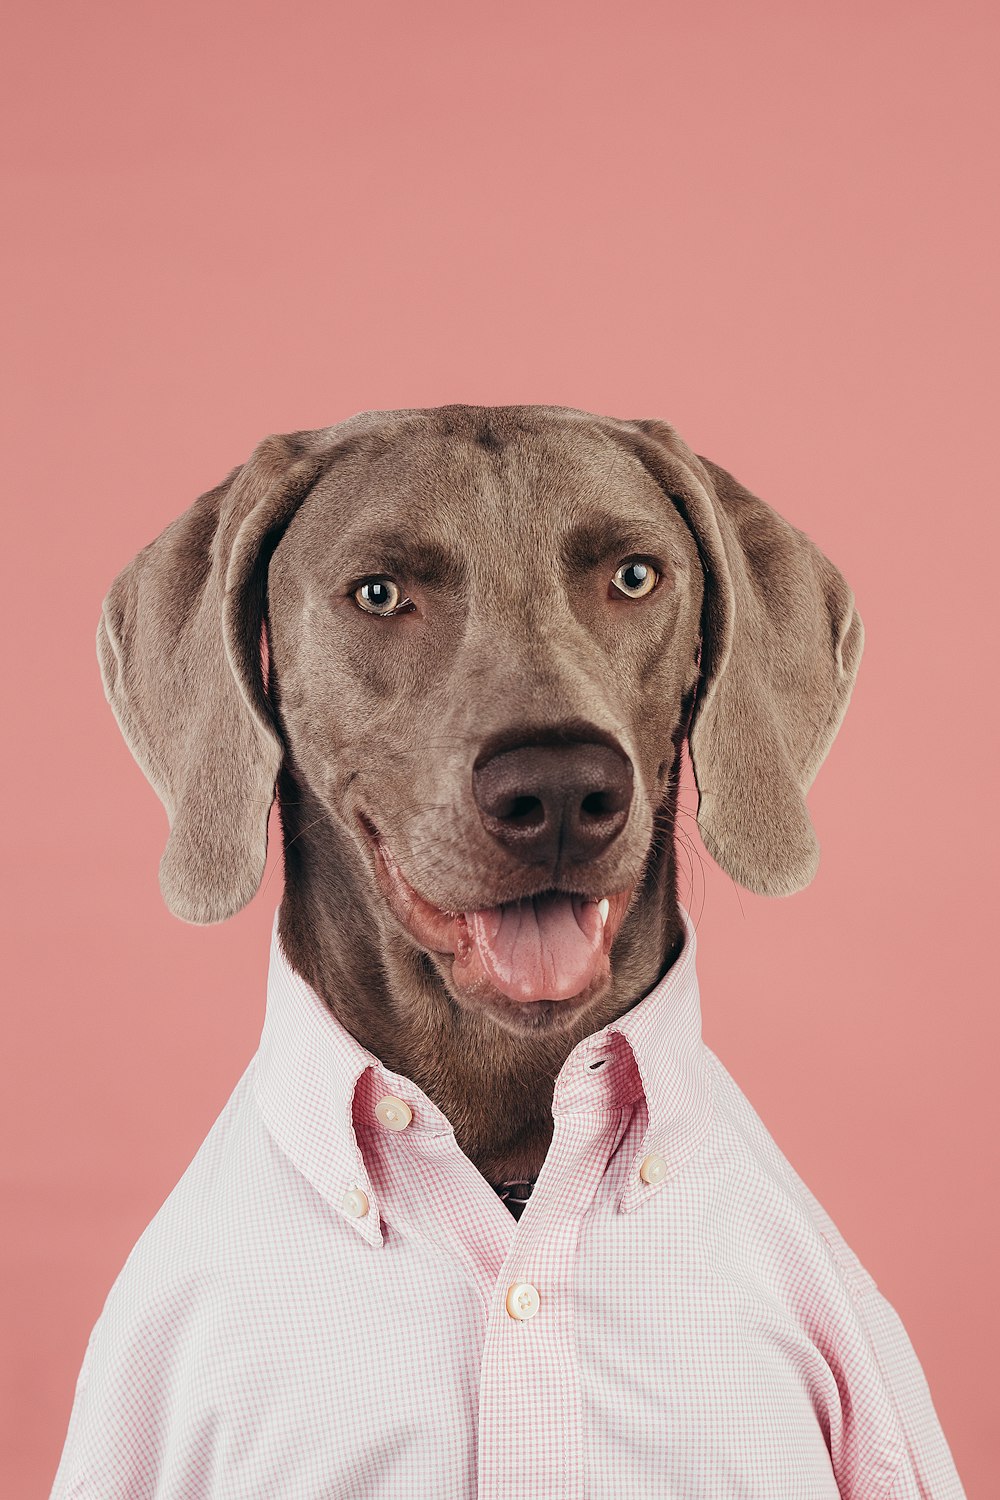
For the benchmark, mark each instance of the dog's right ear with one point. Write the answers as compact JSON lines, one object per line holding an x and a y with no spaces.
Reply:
{"x":179,"y":647}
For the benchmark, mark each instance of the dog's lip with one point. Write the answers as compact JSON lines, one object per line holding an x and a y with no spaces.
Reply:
{"x":432,"y":927}
{"x":447,"y":932}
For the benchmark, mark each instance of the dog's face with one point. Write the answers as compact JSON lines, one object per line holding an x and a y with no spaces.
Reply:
{"x":484,"y":648}
{"x":489,"y":630}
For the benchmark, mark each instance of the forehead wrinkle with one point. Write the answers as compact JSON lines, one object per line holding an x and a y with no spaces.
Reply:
{"x":504,"y":511}
{"x":599,"y":536}
{"x":391,"y":551}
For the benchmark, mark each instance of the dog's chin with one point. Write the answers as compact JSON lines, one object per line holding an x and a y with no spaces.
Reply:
{"x":448,"y":941}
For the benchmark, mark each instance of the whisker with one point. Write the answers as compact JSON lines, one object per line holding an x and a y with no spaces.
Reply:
{"x":289,"y":844}
{"x":427,"y":857}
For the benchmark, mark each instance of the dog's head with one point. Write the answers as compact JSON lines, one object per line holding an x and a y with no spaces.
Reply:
{"x":488,"y":631}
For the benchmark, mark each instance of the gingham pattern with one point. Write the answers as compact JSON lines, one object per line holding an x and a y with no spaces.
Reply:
{"x":702,"y":1336}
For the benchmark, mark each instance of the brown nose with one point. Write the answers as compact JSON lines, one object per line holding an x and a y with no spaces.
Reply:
{"x":549,"y":802}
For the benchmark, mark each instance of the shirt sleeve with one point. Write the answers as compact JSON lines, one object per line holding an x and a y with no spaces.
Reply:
{"x":927,"y":1471}
{"x":134,"y":1428}
{"x":62,"y":1488}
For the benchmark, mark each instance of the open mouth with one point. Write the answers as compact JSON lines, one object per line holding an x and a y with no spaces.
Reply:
{"x":552,"y":945}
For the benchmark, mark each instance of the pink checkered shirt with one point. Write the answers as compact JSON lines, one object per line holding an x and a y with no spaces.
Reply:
{"x":333,"y":1302}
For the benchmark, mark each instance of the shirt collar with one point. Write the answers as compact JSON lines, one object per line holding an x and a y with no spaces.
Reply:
{"x":308,"y":1067}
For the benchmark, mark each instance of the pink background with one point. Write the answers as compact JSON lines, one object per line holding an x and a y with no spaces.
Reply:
{"x":775,"y":229}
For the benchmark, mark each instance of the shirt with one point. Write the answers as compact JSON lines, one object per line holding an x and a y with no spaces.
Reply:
{"x":334,"y":1302}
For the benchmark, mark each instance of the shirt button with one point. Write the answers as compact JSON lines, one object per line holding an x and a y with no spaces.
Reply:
{"x":522,"y":1300}
{"x":393,"y":1112}
{"x":355,"y":1203}
{"x":653,"y":1168}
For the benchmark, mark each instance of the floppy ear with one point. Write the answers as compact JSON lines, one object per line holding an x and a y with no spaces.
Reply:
{"x":781,"y":646}
{"x":179,"y":647}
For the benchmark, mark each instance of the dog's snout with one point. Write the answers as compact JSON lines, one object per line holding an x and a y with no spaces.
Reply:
{"x":548,"y":802}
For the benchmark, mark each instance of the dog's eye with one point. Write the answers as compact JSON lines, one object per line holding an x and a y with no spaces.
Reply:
{"x":379,"y":596}
{"x":635,"y":578}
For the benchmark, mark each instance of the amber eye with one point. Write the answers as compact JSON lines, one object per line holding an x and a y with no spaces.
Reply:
{"x":634,"y":579}
{"x":379,"y":596}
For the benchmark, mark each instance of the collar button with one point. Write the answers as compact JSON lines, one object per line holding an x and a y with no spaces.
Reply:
{"x":356,"y":1203}
{"x":653,"y":1168}
{"x":394,"y":1113}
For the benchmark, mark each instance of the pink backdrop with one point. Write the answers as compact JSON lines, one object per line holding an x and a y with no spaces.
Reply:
{"x":775,"y":229}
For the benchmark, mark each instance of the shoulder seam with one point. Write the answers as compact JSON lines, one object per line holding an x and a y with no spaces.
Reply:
{"x":858,"y":1281}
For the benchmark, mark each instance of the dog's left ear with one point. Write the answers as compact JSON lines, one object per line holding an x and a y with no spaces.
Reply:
{"x":781,"y":646}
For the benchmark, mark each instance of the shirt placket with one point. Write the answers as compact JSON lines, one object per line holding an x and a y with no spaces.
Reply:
{"x":532,"y":1440}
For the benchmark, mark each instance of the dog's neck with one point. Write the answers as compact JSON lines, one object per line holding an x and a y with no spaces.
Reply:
{"x":494,"y":1087}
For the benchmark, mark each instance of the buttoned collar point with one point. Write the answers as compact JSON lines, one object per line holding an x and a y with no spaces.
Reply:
{"x":309,"y":1070}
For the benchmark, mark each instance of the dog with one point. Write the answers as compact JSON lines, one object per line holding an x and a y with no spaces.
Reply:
{"x":465,"y":648}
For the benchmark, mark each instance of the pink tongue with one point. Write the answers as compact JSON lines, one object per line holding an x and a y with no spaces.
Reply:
{"x":543,"y":948}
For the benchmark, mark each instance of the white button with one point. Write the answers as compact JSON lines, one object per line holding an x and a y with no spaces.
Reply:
{"x":355,"y":1203}
{"x":522,"y":1300}
{"x":395,"y":1113}
{"x":653,"y":1168}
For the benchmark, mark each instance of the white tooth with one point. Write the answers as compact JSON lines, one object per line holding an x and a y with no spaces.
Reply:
{"x":604,"y":907}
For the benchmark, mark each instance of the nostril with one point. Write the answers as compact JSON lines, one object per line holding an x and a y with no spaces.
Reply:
{"x":522,"y":811}
{"x":600,"y":804}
